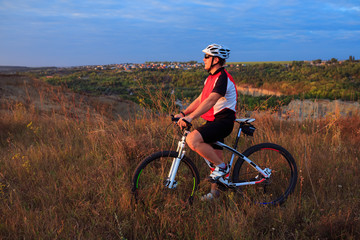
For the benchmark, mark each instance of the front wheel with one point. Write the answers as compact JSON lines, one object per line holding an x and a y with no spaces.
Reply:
{"x":149,"y":182}
{"x":282,"y":180}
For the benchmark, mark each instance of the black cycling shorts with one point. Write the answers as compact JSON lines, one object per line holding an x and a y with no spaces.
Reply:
{"x":216,"y":130}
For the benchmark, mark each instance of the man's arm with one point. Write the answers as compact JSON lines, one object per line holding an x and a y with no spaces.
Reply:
{"x":193,"y":106}
{"x":204,"y":106}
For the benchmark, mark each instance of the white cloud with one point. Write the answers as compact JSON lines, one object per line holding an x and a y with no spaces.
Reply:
{"x":350,"y":9}
{"x":212,"y":4}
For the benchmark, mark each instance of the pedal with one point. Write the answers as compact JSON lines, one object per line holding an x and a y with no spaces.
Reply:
{"x":211,"y":180}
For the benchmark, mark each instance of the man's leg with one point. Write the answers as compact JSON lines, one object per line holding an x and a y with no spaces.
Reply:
{"x":196,"y":142}
{"x":214,"y":187}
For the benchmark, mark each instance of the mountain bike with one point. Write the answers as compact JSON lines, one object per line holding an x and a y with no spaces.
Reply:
{"x":265,"y":173}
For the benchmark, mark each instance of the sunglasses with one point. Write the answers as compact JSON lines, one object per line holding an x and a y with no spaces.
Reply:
{"x":207,"y":56}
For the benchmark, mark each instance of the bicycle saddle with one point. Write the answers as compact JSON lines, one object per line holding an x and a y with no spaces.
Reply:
{"x":245,"y":120}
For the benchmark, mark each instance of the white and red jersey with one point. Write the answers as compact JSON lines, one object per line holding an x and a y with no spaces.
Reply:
{"x":222,"y":83}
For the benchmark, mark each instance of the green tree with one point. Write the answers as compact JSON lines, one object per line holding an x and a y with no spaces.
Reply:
{"x":333,"y":60}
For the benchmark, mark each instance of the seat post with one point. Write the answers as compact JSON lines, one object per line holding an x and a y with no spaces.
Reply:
{"x":241,"y":122}
{"x":237,"y":136}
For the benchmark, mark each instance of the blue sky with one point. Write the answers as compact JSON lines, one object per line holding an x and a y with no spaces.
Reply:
{"x":79,"y":32}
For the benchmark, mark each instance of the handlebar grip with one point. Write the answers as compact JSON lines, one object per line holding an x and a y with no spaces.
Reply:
{"x":175,"y":120}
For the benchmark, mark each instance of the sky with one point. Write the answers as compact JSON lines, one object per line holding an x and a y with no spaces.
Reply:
{"x":67,"y":33}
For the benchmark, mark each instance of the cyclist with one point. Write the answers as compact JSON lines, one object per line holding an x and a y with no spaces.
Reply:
{"x":216,"y":104}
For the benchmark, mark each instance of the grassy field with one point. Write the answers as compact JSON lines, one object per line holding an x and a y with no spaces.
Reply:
{"x":66,"y":175}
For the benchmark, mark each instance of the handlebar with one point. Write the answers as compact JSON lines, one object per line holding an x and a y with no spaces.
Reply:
{"x":175,"y":120}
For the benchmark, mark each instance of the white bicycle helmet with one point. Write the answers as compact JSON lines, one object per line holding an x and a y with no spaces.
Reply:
{"x":217,"y":50}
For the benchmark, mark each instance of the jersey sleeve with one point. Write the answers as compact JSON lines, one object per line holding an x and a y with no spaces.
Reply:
{"x":221,"y":84}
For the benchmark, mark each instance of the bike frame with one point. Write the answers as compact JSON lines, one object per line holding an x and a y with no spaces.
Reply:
{"x":171,"y":183}
{"x":264,"y":172}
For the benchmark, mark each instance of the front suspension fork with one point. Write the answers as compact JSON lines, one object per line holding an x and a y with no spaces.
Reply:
{"x":170,"y":181}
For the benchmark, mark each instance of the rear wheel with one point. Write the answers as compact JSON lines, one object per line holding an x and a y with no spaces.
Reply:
{"x":281,"y":182}
{"x":150,"y":180}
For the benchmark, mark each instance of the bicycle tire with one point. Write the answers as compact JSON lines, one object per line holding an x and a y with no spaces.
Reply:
{"x":149,"y":177}
{"x":282,"y":181}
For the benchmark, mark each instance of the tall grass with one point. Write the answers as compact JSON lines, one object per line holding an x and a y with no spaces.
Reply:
{"x":66,"y":177}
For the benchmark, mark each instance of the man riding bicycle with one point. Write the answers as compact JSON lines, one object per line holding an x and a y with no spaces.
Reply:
{"x":216,"y":104}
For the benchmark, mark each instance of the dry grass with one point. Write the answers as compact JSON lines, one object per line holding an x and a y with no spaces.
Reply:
{"x":66,"y":177}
